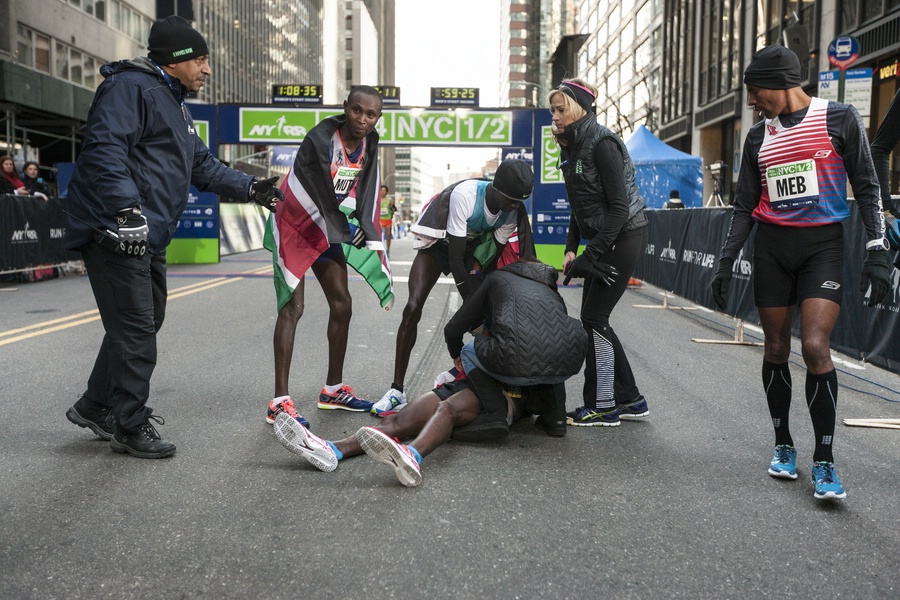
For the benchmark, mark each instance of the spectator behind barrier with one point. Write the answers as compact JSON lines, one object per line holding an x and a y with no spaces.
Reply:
{"x":9,"y":181}
{"x":674,"y":200}
{"x":34,"y":183}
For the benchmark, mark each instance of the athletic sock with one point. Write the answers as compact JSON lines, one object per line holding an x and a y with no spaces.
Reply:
{"x":337,"y":452}
{"x":821,"y":398}
{"x":397,"y":387}
{"x":415,"y":454}
{"x":332,"y":389}
{"x":777,"y":384}
{"x":280,"y":399}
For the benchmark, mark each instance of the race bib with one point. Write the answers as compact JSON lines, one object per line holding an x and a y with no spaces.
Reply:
{"x":794,"y":185}
{"x":344,"y":177}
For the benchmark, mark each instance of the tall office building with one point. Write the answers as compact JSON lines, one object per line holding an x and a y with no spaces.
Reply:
{"x":531,"y":33}
{"x":52,"y":51}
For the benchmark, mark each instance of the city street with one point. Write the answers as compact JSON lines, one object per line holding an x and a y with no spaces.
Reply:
{"x":678,"y":506}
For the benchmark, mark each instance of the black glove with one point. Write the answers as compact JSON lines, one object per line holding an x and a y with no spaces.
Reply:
{"x":583,"y":266}
{"x":721,"y":281}
{"x":877,"y":272}
{"x":264,"y":193}
{"x":132,"y":233}
{"x":357,"y":237}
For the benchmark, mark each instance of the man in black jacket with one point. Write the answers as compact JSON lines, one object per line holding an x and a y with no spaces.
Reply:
{"x":525,"y":338}
{"x":140,"y":156}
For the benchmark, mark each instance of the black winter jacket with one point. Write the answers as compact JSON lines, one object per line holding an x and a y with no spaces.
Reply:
{"x":141,"y":149}
{"x":598,"y":215}
{"x":527,"y":331}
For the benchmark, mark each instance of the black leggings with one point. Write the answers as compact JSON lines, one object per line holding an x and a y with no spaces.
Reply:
{"x":608,"y":379}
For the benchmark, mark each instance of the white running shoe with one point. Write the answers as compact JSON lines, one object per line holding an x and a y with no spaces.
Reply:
{"x":389,"y":404}
{"x":394,"y":454}
{"x":299,"y":440}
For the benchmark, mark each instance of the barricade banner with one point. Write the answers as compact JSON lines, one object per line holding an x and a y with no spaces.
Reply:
{"x":683,"y":247}
{"x":32,"y":232}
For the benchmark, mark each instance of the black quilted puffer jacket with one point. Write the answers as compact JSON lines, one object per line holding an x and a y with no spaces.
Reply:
{"x":527,"y":331}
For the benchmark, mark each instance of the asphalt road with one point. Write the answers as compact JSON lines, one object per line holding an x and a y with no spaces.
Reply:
{"x":679,"y":506}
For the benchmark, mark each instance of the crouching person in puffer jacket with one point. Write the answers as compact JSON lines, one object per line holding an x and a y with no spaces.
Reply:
{"x":525,"y":347}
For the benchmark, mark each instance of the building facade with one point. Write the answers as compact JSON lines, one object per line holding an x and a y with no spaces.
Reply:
{"x":676,"y":66}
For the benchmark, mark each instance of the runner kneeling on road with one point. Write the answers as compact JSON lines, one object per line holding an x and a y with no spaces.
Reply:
{"x":527,"y":339}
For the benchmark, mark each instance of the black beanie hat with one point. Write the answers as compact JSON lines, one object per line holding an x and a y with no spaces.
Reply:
{"x":773,"y":68}
{"x":514,"y":179}
{"x":173,"y":40}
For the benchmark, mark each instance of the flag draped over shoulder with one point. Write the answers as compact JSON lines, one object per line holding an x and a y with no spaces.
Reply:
{"x":297,"y":235}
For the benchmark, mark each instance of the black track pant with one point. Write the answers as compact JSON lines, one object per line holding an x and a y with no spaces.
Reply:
{"x":608,"y":379}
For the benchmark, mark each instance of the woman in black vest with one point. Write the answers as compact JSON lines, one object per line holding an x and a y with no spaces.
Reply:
{"x":608,"y":211}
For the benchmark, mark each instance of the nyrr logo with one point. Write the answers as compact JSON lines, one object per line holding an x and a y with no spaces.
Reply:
{"x":277,"y":125}
{"x":742,"y":268}
{"x":668,"y":253}
{"x":24,"y":236}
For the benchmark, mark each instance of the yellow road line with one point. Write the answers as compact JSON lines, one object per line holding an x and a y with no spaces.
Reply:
{"x":90,"y":316}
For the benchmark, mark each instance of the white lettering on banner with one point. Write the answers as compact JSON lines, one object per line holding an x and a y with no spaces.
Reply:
{"x":444,"y":135}
{"x":668,"y":253}
{"x":262,"y":130}
{"x":57,"y":233}
{"x":701,"y":259}
{"x":650,"y":249}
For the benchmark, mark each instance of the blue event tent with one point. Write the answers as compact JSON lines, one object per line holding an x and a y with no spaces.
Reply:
{"x":661,"y":168}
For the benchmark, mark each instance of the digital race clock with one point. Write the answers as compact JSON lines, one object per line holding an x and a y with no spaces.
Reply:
{"x":454,"y":96}
{"x":390,"y":94}
{"x":296,"y":94}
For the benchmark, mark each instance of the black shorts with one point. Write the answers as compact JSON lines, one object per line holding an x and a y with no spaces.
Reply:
{"x":791,"y":264}
{"x":440,"y":251}
{"x":488,"y":390}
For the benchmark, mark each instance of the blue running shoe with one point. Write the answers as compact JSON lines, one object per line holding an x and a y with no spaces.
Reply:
{"x":826,"y":481}
{"x":784,"y":463}
{"x":634,"y":410}
{"x":591,"y":417}
{"x":343,"y":399}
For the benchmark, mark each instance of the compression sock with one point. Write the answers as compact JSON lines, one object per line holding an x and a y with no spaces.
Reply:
{"x":415,"y":454}
{"x":777,"y":383}
{"x":337,"y":453}
{"x":821,"y":398}
{"x":397,"y":387}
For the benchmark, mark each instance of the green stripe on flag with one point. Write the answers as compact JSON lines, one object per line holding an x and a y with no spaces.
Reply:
{"x":283,"y":291}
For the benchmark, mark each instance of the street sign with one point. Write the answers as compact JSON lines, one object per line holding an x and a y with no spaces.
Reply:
{"x":843,"y":52}
{"x":829,"y":85}
{"x":858,"y":91}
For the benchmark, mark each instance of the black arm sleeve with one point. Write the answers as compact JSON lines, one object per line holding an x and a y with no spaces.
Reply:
{"x":457,"y":258}
{"x":611,"y":167}
{"x":470,"y":313}
{"x":573,"y":237}
{"x":883,"y":144}
{"x":746,"y":195}
{"x":848,"y":133}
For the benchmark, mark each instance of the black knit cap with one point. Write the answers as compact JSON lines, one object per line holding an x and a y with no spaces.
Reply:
{"x":514,"y":179}
{"x":773,"y":68}
{"x":173,"y":40}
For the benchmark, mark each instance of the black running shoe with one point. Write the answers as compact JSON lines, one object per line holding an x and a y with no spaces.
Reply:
{"x":143,"y":442}
{"x":93,"y":416}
